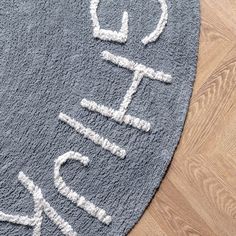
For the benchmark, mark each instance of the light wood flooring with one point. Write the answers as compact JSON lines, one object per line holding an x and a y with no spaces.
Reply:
{"x":198,"y":194}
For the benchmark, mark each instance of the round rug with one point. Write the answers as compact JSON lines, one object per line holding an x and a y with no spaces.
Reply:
{"x":93,"y":99}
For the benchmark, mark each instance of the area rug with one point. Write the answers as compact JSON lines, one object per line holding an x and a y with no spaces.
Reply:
{"x":93,"y":99}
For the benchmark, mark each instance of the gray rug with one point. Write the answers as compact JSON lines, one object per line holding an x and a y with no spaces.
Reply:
{"x":93,"y":98}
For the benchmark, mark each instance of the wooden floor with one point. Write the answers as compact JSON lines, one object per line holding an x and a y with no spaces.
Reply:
{"x":198,"y":195}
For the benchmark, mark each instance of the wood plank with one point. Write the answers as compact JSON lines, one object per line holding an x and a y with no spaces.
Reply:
{"x":198,"y":194}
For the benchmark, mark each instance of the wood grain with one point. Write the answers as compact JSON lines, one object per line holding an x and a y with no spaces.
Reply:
{"x":198,"y":194}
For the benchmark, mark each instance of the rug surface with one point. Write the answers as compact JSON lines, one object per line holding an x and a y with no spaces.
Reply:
{"x":93,"y":98}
